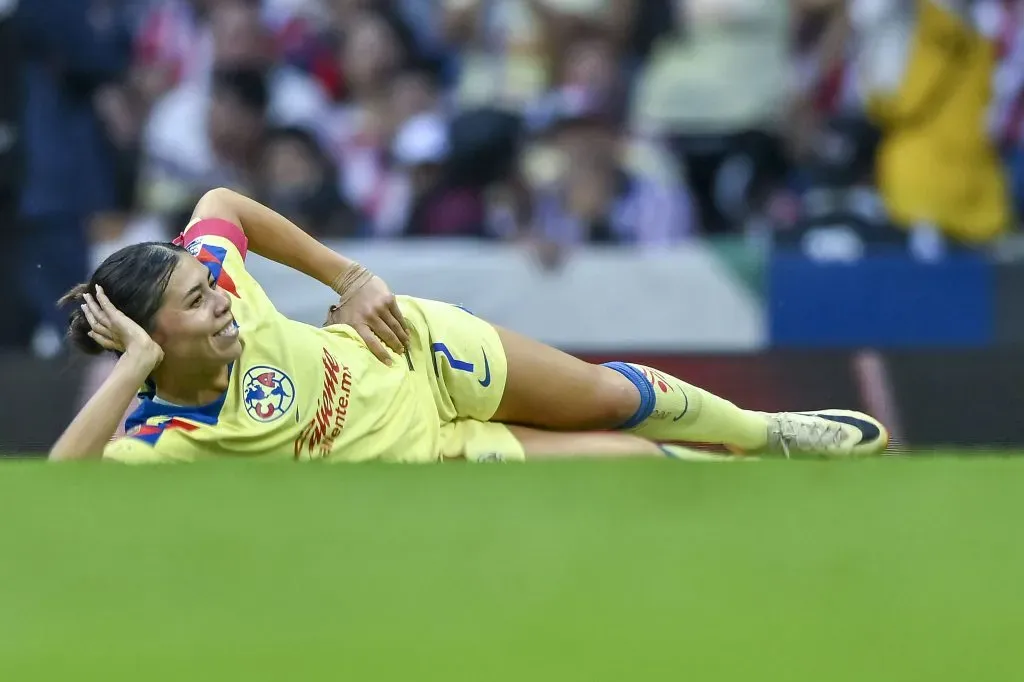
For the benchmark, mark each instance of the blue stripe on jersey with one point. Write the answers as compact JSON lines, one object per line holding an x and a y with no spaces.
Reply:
{"x":204,"y":414}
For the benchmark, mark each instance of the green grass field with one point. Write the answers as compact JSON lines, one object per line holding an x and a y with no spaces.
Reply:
{"x":880,"y":570}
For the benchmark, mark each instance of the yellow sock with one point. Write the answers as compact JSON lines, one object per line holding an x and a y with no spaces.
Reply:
{"x":673,"y":410}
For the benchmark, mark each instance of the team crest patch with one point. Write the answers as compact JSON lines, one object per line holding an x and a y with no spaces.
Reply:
{"x":267,"y":393}
{"x":194,"y":246}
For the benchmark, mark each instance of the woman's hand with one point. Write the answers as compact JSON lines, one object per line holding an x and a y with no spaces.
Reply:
{"x":90,"y":431}
{"x":113,"y":330}
{"x":373,"y":312}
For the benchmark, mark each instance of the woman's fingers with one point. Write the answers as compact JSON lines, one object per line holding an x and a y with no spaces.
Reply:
{"x":374,"y":344}
{"x":94,"y":322}
{"x":108,"y":308}
{"x":98,"y":311}
{"x":384,"y":332}
{"x":103,"y":341}
{"x":397,"y":322}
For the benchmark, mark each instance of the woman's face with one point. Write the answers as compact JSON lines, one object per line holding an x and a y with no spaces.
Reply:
{"x":194,"y":324}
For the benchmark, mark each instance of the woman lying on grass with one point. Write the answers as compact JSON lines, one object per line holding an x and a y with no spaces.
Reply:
{"x":391,"y":378}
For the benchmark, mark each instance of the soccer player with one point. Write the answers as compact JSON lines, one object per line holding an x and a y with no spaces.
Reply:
{"x":226,"y":374}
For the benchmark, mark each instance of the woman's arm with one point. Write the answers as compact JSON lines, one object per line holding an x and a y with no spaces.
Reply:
{"x":273,"y":236}
{"x":366,"y":302}
{"x":97,"y":422}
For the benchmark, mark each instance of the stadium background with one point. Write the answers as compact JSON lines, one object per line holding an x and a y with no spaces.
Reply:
{"x":689,"y":183}
{"x":692,"y":183}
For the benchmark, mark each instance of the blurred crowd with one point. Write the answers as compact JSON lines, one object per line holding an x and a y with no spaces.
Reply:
{"x":551,"y":123}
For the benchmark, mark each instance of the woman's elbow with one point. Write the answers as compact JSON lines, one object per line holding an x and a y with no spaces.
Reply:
{"x":219,"y":202}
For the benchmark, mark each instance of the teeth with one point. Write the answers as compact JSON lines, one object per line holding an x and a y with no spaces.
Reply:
{"x":229,"y":330}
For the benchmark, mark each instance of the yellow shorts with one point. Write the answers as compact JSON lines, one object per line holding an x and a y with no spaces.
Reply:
{"x":463,"y":364}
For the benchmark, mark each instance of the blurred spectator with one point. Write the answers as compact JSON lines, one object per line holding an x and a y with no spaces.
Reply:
{"x":510,"y":49}
{"x":824,"y":85}
{"x":416,"y":22}
{"x":424,"y":19}
{"x":240,"y":39}
{"x":592,"y":64}
{"x":415,"y":90}
{"x":296,"y":178}
{"x":237,"y":118}
{"x":718,"y":87}
{"x":926,"y":75}
{"x":14,"y":332}
{"x":626,"y":123}
{"x":359,"y":132}
{"x":219,"y":148}
{"x":597,"y":198}
{"x":10,"y":109}
{"x":651,"y":20}
{"x":440,"y":205}
{"x":1002,"y":22}
{"x":175,"y":42}
{"x":178,"y":137}
{"x":841,"y":216}
{"x":327,"y":53}
{"x":170,"y":46}
{"x":73,"y":49}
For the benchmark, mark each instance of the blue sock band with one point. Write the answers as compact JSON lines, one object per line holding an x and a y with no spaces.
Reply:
{"x":647,"y":398}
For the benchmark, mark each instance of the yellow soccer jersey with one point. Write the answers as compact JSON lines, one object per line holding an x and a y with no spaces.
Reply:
{"x":297,"y":391}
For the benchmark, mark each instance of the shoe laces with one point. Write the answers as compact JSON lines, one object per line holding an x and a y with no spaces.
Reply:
{"x":806,"y":434}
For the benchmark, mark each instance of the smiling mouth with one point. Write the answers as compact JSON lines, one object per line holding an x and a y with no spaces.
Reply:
{"x":230,"y":330}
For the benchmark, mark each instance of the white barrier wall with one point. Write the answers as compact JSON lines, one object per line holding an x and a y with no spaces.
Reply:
{"x":678,"y":299}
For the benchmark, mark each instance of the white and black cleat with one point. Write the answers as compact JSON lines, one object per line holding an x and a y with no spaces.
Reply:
{"x":825,"y":433}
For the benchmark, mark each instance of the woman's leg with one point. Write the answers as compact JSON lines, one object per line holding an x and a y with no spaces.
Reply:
{"x":484,"y":373}
{"x":540,"y":444}
{"x":551,"y":390}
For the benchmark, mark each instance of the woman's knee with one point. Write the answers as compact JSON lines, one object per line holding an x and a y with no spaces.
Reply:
{"x":616,"y":396}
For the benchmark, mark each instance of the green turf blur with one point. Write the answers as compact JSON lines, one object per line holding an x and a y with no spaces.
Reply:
{"x":628,"y":571}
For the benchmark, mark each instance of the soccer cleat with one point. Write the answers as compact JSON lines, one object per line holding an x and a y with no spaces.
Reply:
{"x":829,"y":433}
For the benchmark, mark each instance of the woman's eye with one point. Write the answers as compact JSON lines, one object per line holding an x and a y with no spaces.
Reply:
{"x":197,"y":301}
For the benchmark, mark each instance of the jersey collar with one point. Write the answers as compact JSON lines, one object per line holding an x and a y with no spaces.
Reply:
{"x":149,"y":408}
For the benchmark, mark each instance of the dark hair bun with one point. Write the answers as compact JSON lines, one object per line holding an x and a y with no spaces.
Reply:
{"x":78,"y":324}
{"x":134,"y":278}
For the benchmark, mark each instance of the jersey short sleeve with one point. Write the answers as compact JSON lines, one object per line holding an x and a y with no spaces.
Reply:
{"x":222,"y":247}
